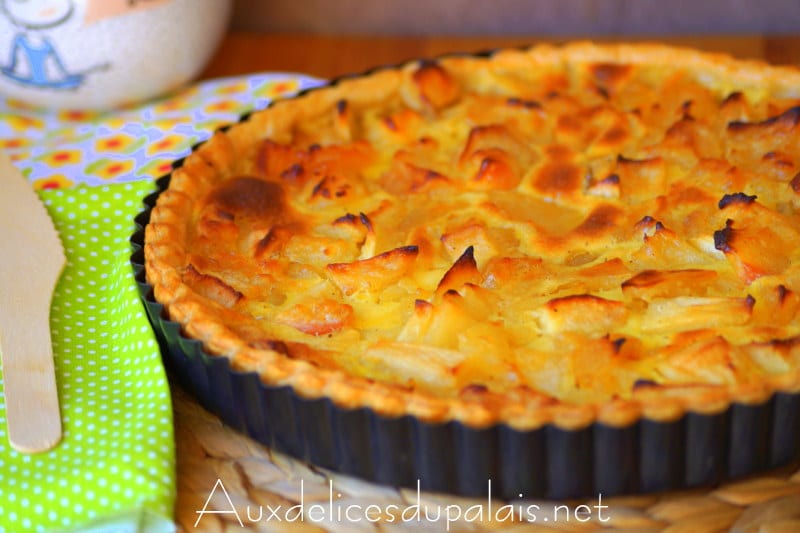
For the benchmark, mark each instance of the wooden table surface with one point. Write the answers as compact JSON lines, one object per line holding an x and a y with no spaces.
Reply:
{"x":328,"y":56}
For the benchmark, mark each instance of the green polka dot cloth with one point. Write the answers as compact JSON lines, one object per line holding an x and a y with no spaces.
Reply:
{"x":114,"y":469}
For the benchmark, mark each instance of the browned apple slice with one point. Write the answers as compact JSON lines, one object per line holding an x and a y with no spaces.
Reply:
{"x":375,"y":273}
{"x":753,"y":252}
{"x":582,"y":313}
{"x":463,"y":271}
{"x":317,"y":317}
{"x":650,"y":284}
{"x":211,"y":287}
{"x":687,"y":313}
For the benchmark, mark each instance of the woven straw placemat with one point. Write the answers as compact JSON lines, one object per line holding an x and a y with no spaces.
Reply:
{"x":228,"y":482}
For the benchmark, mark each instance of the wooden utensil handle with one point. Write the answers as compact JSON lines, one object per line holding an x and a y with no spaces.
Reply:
{"x":32,"y":259}
{"x":32,"y":408}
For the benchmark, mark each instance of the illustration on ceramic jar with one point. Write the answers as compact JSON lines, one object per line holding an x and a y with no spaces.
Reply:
{"x":34,"y":59}
{"x":104,"y":54}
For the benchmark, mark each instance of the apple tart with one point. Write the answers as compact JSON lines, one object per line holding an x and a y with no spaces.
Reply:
{"x":556,"y":237}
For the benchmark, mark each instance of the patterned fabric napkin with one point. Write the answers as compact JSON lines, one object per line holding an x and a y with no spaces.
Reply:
{"x":117,"y":454}
{"x":114,"y":469}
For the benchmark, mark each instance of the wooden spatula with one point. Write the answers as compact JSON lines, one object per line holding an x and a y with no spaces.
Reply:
{"x":31,"y":261}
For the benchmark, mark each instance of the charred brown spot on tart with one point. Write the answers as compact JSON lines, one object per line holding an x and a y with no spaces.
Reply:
{"x":524,"y":103}
{"x":602,"y":220}
{"x":795,"y":183}
{"x":663,"y":246}
{"x":559,"y":178}
{"x":496,"y":173}
{"x":273,"y":241}
{"x":778,"y":158}
{"x":783,"y":292}
{"x":436,"y":86}
{"x":348,"y":219}
{"x":211,"y":287}
{"x":775,"y":354}
{"x":250,"y":197}
{"x":576,"y":299}
{"x":618,"y":343}
{"x":474,"y":390}
{"x":622,"y":160}
{"x":785,"y":345}
{"x":602,"y":91}
{"x":294,"y":173}
{"x":274,"y":159}
{"x":736,"y":198}
{"x":489,"y":137}
{"x":642,"y":384}
{"x":403,"y":251}
{"x":451,"y":294}
{"x":366,"y":222}
{"x":425,"y":179}
{"x":614,"y":135}
{"x":224,"y":215}
{"x":734,"y":107}
{"x":353,"y":228}
{"x":724,"y":237}
{"x":406,"y":176}
{"x":342,"y":123}
{"x":354,"y":221}
{"x":647,"y":223}
{"x":784,"y":121}
{"x":736,"y":97}
{"x":610,"y":76}
{"x":401,"y":123}
{"x":607,"y":187}
{"x":422,"y":305}
{"x":331,"y":187}
{"x":390,"y":123}
{"x":752,"y":251}
{"x":686,"y":109}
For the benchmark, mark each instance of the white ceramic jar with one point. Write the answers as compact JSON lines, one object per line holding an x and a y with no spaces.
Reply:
{"x":101,"y":54}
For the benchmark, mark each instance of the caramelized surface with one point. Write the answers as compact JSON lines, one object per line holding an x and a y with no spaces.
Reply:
{"x":568,"y":232}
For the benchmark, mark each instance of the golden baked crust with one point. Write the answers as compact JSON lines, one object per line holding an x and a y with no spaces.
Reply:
{"x":555,"y":235}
